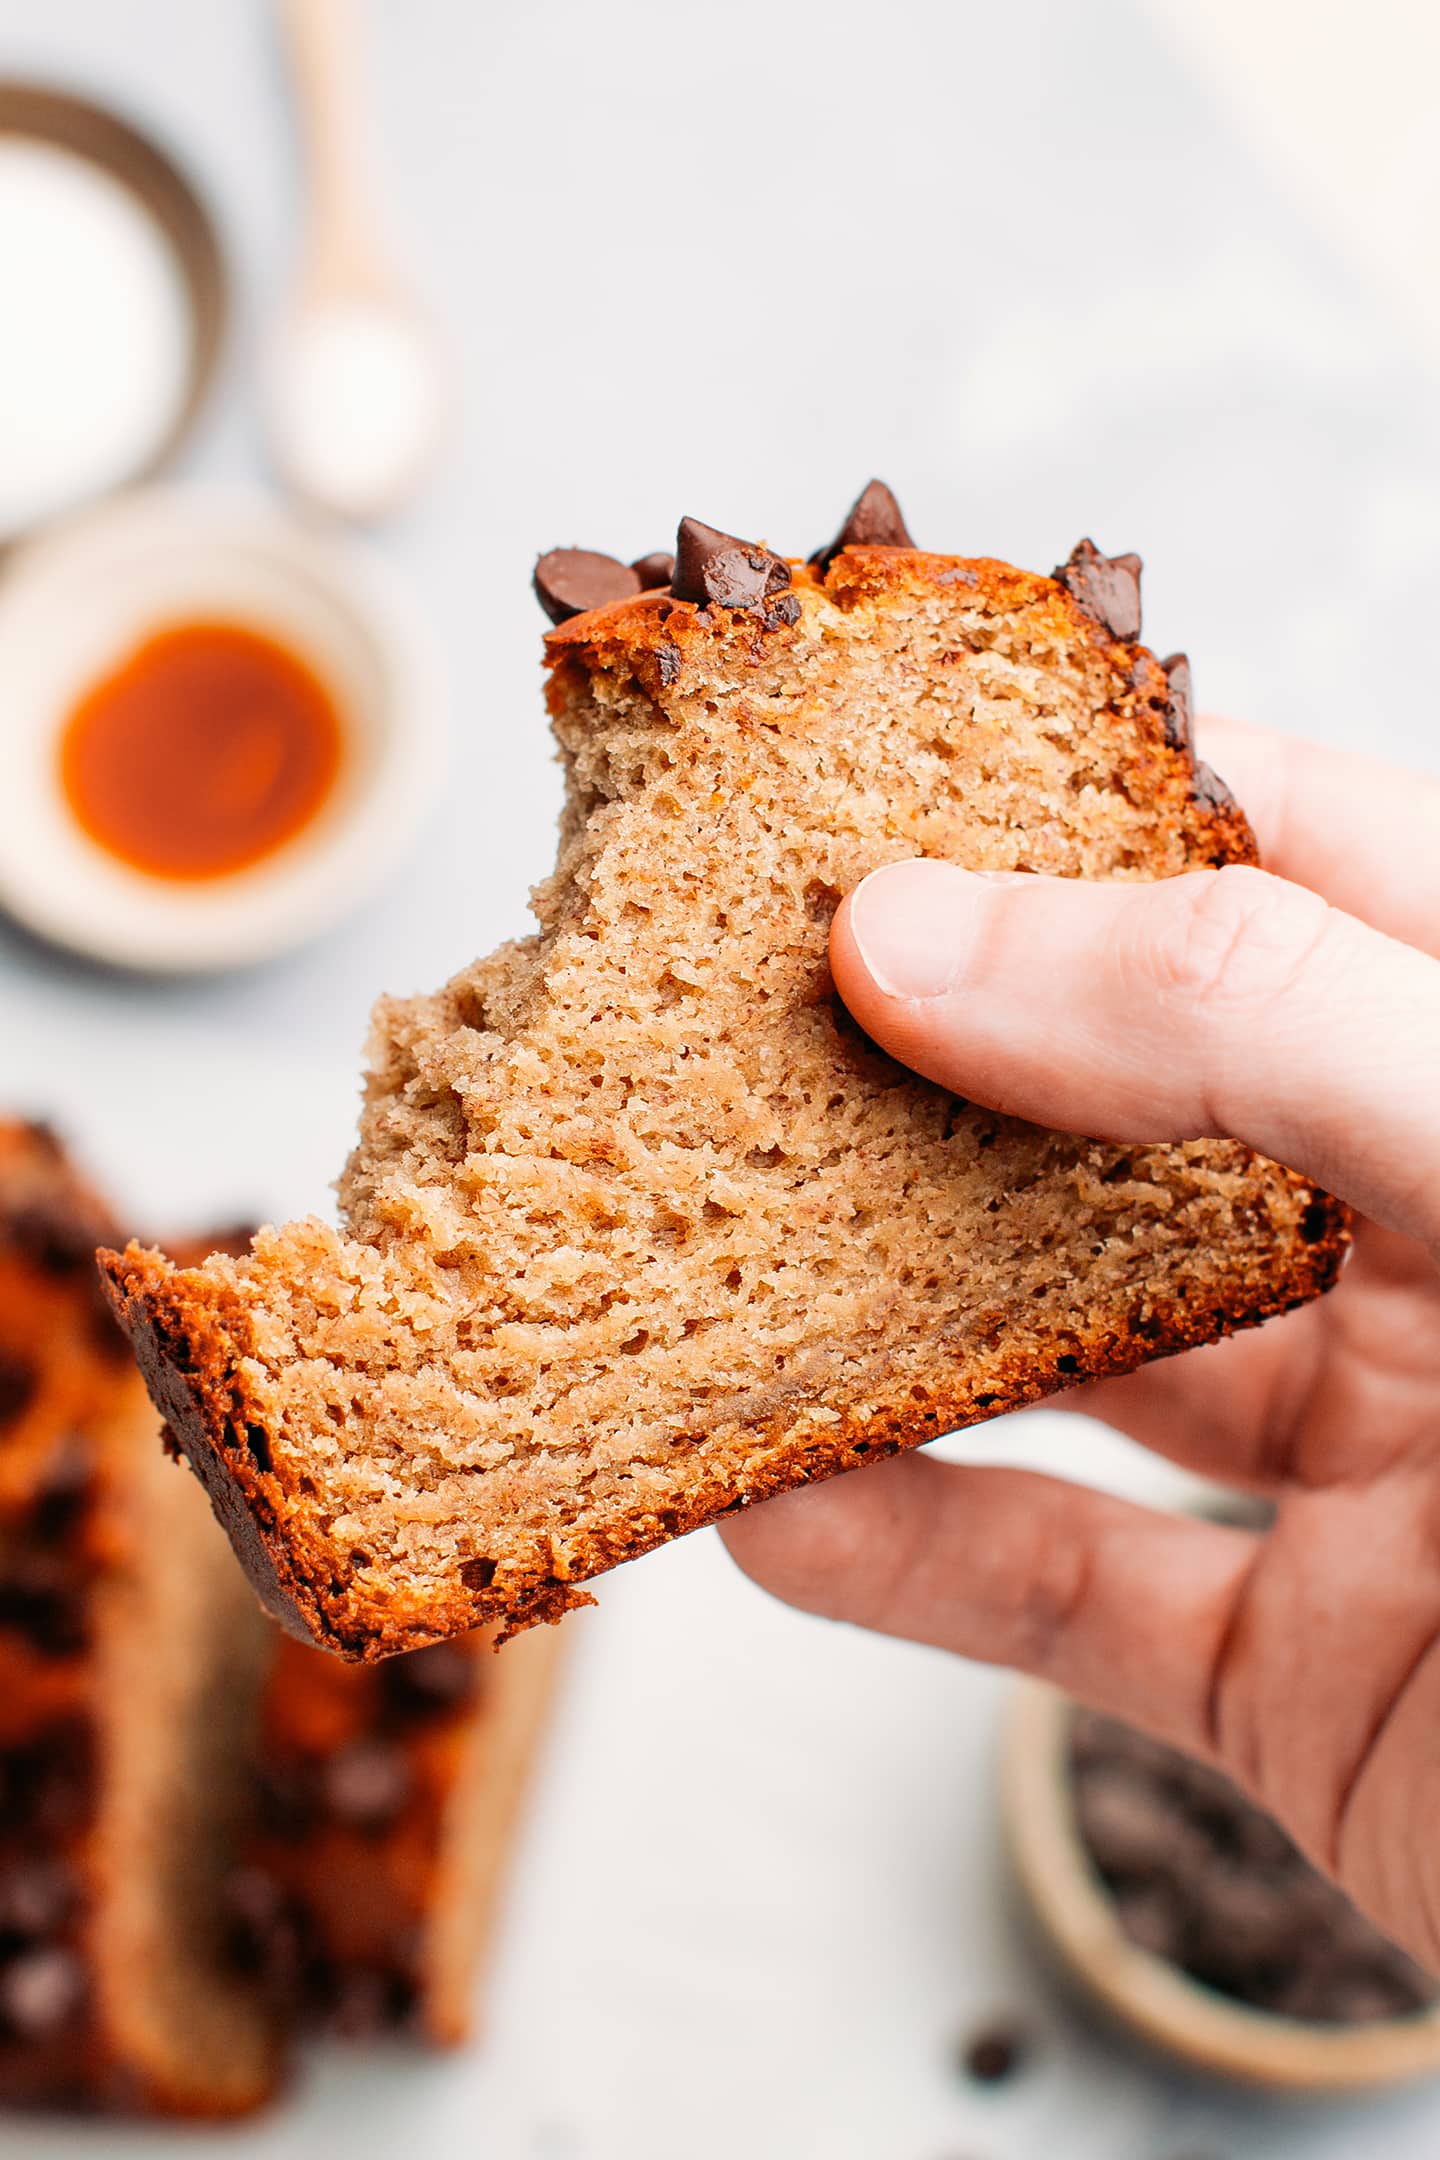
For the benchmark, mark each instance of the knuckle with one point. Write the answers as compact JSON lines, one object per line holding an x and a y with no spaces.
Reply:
{"x":1051,"y":1589}
{"x":1243,"y":940}
{"x":813,"y":1547}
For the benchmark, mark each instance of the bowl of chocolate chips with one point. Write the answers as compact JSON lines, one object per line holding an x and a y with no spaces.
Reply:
{"x":1191,"y":1918}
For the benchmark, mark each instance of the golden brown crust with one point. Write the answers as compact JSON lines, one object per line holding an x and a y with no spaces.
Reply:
{"x":655,"y":636}
{"x":190,"y":1343}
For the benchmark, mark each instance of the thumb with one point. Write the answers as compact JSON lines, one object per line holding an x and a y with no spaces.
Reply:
{"x":1221,"y":1004}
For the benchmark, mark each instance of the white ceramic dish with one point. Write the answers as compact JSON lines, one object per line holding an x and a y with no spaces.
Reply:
{"x":36,"y":114}
{"x":1204,"y":2030}
{"x":76,"y":600}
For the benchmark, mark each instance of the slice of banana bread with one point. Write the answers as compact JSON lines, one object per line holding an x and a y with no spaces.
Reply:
{"x":131,"y":1651}
{"x":640,"y":1229}
{"x":386,"y":1796}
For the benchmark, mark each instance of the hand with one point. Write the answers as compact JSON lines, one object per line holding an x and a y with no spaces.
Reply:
{"x":1300,"y":1012}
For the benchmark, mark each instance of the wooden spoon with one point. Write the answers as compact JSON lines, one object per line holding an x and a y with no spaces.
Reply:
{"x":357,"y":389}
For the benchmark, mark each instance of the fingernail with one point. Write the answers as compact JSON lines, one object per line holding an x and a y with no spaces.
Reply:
{"x":911,"y":928}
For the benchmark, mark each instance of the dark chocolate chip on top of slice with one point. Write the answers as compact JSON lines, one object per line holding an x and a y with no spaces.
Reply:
{"x":1208,"y":788}
{"x":713,"y":566}
{"x":1180,"y":716}
{"x":874,"y":519}
{"x":570,"y":581}
{"x":1106,"y":586}
{"x":654,"y":570}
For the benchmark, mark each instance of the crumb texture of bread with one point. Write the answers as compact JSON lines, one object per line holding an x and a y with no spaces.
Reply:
{"x":640,"y":1228}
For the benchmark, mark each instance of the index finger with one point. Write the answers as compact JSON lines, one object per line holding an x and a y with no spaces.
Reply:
{"x":1362,"y":833}
{"x":1224,"y":1003}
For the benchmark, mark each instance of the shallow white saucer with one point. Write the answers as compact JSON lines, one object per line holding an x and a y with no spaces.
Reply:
{"x":72,"y":605}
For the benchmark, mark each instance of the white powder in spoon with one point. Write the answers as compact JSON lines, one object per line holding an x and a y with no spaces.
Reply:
{"x":354,"y":404}
{"x":95,"y":332}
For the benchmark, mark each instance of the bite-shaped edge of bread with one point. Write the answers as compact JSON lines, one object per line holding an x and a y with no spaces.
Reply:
{"x":194,"y":1330}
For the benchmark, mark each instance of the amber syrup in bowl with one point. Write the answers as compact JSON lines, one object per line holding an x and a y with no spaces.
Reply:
{"x":207,"y":748}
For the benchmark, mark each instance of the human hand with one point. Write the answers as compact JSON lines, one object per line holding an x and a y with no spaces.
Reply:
{"x":1298,"y":1011}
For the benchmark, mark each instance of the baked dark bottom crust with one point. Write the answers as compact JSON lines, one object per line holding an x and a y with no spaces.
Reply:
{"x":191,"y":1366}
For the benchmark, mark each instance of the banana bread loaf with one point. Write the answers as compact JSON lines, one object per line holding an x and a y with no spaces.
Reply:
{"x":385,"y":1801}
{"x":131,"y":1650}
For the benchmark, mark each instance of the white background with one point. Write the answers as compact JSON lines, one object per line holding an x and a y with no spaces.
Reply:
{"x":1064,"y":268}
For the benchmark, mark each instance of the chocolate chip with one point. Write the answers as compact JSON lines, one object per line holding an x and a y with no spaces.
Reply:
{"x":1097,"y":1742}
{"x":994,"y":2053}
{"x":1132,"y":1833}
{"x":667,"y":658}
{"x":570,"y":581}
{"x":874,"y":519}
{"x":287,"y":1800}
{"x":252,"y":1897}
{"x":715,"y":566}
{"x":422,"y":1682}
{"x":1154,"y":1919}
{"x":1106,"y":586}
{"x":1209,"y":790}
{"x":359,"y":2004}
{"x":41,"y":1991}
{"x":1253,"y":1837}
{"x":1180,"y":712}
{"x":55,"y":1779}
{"x":1366,"y":2000}
{"x":784,"y":609}
{"x":261,"y":1928}
{"x":59,"y":1236}
{"x":366,"y":1784}
{"x":62,"y":1496}
{"x":18,"y":1382}
{"x":36,"y":1897}
{"x":364,"y":2000}
{"x":654,"y":570}
{"x":41,"y":1601}
{"x":1246,"y":1923}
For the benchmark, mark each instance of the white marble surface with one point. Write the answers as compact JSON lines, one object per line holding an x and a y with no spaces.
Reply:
{"x":1048,"y":270}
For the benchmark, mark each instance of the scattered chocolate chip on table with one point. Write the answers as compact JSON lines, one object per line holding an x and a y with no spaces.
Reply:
{"x":995,"y":2052}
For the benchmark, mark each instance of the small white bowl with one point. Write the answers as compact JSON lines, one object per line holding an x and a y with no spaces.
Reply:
{"x":76,"y":601}
{"x":1162,"y":2005}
